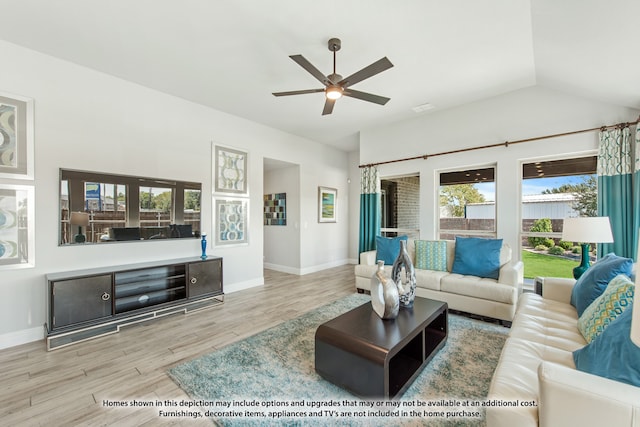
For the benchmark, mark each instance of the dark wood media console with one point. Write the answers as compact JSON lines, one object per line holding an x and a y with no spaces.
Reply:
{"x":379,"y":358}
{"x":84,"y":304}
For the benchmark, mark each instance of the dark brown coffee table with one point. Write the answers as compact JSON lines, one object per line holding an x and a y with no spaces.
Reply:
{"x":372,"y":357}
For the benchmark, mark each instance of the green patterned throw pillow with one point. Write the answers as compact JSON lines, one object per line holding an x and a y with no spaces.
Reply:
{"x":431,"y":255}
{"x":615,"y":299}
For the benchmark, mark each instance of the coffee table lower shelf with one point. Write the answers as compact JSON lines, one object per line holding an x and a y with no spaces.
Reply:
{"x":377,"y":358}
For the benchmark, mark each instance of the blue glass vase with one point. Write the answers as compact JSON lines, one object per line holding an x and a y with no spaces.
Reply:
{"x":203,"y":244}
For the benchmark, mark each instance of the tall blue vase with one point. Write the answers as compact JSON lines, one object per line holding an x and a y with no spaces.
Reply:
{"x":203,"y":244}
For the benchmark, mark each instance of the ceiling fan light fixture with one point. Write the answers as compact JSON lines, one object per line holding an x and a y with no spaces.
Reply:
{"x":334,"y":92}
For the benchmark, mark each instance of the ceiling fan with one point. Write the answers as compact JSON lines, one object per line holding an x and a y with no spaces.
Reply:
{"x":335,"y":85}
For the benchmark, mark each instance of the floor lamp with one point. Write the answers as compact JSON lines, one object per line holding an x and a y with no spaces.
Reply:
{"x":586,"y":230}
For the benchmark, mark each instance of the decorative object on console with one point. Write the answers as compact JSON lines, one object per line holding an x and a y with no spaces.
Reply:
{"x":407,"y":284}
{"x":385,"y":299}
{"x":203,"y":245}
{"x":478,"y":257}
{"x":16,"y":137}
{"x":586,"y":230}
{"x":230,"y":171}
{"x":327,"y":200}
{"x":81,"y":219}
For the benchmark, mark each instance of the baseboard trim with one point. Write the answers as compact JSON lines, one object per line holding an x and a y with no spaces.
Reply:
{"x":240,"y":286}
{"x":306,"y":270}
{"x":25,"y":336}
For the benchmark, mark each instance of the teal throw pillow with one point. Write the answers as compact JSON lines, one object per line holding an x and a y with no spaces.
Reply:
{"x":388,"y":248}
{"x":595,"y":280}
{"x":431,"y":255}
{"x":612,"y":354}
{"x":477,"y":257}
{"x":616,"y":298}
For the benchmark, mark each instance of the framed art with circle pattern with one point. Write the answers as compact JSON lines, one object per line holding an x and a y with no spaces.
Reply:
{"x":16,"y":137}
{"x":230,"y":171}
{"x":231,"y":221}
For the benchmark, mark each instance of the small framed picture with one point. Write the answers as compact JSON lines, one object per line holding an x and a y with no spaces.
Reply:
{"x":327,"y":199}
{"x":230,"y":171}
{"x":231,"y":222}
{"x":16,"y":137}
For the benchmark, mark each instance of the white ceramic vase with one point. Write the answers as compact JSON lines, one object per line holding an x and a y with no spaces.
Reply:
{"x":384,"y":294}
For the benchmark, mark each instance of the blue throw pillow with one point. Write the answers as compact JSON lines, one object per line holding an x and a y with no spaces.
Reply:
{"x":388,"y":248}
{"x":612,"y":354}
{"x":477,"y":257}
{"x":595,"y":280}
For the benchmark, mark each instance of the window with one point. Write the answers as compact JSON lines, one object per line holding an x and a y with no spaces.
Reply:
{"x":400,"y":204}
{"x":467,"y":203}
{"x":551,"y":191}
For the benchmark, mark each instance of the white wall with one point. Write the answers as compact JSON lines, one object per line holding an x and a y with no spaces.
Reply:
{"x":282,"y":242}
{"x":91,"y":121}
{"x":517,"y":115}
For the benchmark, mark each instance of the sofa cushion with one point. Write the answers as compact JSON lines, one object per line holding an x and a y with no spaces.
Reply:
{"x":431,"y":255}
{"x":429,"y":279}
{"x":594,"y":281}
{"x":612,"y":354}
{"x":478,"y":287}
{"x":547,"y":322}
{"x":477,"y":257}
{"x":616,"y":298}
{"x":388,"y":248}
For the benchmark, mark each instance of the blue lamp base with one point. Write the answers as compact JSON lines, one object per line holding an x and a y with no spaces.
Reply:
{"x":584,"y":264}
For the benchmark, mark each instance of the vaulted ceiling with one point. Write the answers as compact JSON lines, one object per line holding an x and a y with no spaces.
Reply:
{"x":232,"y":54}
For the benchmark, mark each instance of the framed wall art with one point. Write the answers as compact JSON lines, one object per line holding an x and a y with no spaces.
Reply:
{"x":230,"y":171}
{"x":16,"y":137}
{"x":16,"y":226}
{"x":231,"y":221}
{"x":275,"y":209}
{"x":327,"y":199}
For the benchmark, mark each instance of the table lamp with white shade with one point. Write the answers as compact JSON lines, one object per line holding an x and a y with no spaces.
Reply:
{"x":586,"y":230}
{"x":81,"y":219}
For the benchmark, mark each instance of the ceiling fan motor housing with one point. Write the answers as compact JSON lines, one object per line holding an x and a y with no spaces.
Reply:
{"x":334,"y":44}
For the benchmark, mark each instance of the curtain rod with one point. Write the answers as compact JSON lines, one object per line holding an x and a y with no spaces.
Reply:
{"x":504,"y":144}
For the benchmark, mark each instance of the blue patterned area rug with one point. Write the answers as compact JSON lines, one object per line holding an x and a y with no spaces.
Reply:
{"x":269,"y":379}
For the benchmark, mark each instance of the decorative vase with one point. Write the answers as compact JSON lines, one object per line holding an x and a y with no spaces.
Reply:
{"x":384,"y":294}
{"x":203,"y":244}
{"x":406,"y":283}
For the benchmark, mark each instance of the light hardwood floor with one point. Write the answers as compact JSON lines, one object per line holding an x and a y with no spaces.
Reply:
{"x":69,"y":386}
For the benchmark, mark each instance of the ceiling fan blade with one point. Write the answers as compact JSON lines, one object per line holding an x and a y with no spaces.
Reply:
{"x":377,"y":99}
{"x":373,"y":69}
{"x":328,"y":106}
{"x":297,"y":92}
{"x":301,"y":60}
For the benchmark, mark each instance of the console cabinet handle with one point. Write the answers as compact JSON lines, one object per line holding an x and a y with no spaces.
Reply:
{"x":105,"y":296}
{"x":193,"y":280}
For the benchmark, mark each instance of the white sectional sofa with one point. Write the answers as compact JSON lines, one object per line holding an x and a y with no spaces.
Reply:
{"x":482,"y":296}
{"x":537,"y":371}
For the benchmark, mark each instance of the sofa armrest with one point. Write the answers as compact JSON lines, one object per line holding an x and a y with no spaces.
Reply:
{"x":368,"y":258}
{"x":572,"y":397}
{"x":557,"y":288}
{"x":512,"y":274}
